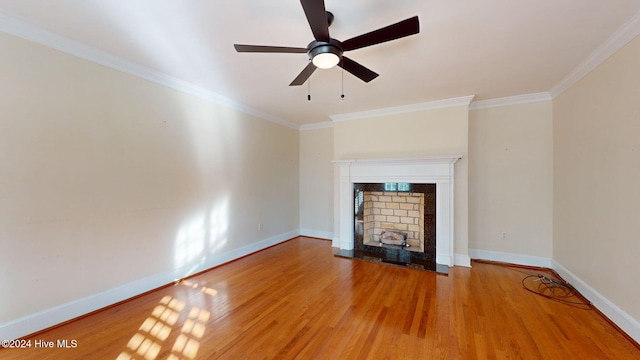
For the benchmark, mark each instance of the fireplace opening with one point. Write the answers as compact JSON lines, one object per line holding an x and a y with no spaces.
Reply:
{"x":396,"y":218}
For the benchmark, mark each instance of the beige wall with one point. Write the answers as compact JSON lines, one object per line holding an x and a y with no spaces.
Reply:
{"x":597,"y":178}
{"x":425,"y":133}
{"x":106,"y":179}
{"x":511,"y":179}
{"x":316,"y":182}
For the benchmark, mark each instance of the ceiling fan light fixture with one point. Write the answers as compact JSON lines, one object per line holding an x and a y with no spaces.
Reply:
{"x":326,"y":60}
{"x":325,"y":55}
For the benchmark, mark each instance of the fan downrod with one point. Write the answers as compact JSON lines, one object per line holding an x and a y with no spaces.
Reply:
{"x":330,"y":17}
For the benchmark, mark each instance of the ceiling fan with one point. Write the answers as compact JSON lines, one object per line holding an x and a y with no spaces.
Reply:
{"x":325,"y":52}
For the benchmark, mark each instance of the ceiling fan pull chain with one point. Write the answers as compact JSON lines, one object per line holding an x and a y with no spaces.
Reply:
{"x":309,"y":91}
{"x":342,"y":94}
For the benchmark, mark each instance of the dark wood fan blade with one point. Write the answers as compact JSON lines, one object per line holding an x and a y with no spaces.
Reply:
{"x":356,"y":69}
{"x":398,"y":30}
{"x":304,"y":75}
{"x":317,"y":18}
{"x":269,"y":49}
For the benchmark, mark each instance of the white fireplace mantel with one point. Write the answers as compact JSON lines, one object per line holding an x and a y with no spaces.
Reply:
{"x":426,"y":170}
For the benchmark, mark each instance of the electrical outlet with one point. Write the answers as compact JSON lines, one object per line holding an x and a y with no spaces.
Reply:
{"x":259,"y":227}
{"x":503,"y":235}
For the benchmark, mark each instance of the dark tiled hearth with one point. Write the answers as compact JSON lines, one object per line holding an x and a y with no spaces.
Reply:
{"x":396,"y":257}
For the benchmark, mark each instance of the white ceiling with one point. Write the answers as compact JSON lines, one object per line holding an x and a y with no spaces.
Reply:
{"x":489,"y":48}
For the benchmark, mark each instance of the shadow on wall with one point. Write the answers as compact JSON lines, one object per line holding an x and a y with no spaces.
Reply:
{"x":145,"y":31}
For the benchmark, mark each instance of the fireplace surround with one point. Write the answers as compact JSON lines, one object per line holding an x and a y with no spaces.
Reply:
{"x":438,"y":170}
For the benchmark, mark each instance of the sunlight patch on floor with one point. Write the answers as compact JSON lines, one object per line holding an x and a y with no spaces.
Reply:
{"x":152,"y":335}
{"x":203,"y":289}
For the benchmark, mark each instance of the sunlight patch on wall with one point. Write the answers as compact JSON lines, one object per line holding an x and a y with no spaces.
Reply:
{"x":201,"y":237}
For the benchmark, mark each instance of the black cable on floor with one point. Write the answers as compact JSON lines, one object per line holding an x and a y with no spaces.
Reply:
{"x":559,"y":291}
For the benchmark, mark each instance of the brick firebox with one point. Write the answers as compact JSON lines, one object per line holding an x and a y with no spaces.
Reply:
{"x":402,"y":212}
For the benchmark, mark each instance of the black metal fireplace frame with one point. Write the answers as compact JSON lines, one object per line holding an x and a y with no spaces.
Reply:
{"x":397,"y":255}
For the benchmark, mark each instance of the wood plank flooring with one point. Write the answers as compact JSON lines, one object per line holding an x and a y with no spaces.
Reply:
{"x":297,"y":301}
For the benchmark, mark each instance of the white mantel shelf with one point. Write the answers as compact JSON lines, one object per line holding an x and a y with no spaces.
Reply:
{"x":437,"y":170}
{"x":449,"y":159}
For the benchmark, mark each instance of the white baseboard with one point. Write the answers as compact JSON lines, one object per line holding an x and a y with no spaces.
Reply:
{"x":624,"y":321}
{"x":510,"y":258}
{"x":444,"y":260}
{"x":316,"y":234}
{"x":335,"y":242}
{"x":462,"y":260}
{"x":43,"y":319}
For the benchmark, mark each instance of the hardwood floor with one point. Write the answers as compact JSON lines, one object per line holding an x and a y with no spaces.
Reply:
{"x":297,"y":301}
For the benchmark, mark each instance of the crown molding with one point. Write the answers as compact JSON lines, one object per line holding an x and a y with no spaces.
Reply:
{"x":27,"y":31}
{"x":316,"y":126}
{"x":511,"y":100}
{"x":431,"y":105}
{"x":476,"y":105}
{"x":615,"y":42}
